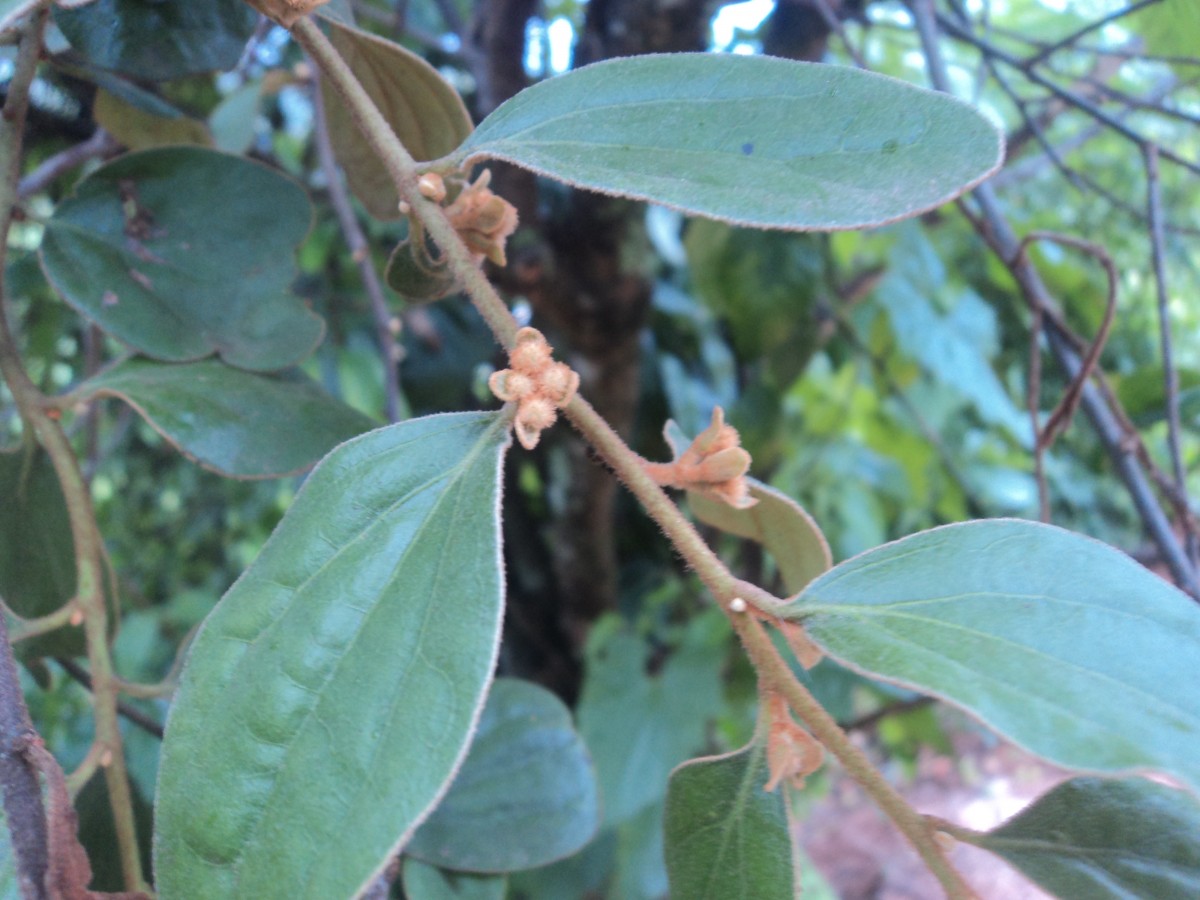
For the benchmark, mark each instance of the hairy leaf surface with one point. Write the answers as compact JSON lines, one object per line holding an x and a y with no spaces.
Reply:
{"x":751,"y":140}
{"x":243,"y":424}
{"x":726,"y":836}
{"x":1096,"y":838}
{"x":331,"y":694}
{"x":1061,"y":643}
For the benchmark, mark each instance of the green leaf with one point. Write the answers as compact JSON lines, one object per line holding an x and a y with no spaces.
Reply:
{"x":138,"y":129}
{"x":526,"y":795}
{"x":639,"y":727}
{"x":234,"y":120}
{"x":37,"y":556}
{"x":1061,"y":643}
{"x":751,"y":140}
{"x":777,"y":522}
{"x":425,"y":882}
{"x":423,"y":110}
{"x":1094,"y":838}
{"x":237,"y":423}
{"x":159,"y":41}
{"x":182,"y":251}
{"x":1170,"y":28}
{"x":331,"y":694}
{"x":417,"y":276}
{"x":726,"y":837}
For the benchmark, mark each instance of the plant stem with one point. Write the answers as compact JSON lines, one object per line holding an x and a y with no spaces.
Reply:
{"x":32,"y":405}
{"x":629,"y":467}
{"x":771,"y":666}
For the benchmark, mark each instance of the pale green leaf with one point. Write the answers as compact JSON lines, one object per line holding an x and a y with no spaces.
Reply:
{"x":777,"y":522}
{"x":138,"y":129}
{"x":726,"y":837}
{"x":330,"y":696}
{"x":423,"y":110}
{"x":526,"y":795}
{"x":1100,"y":839}
{"x":637,"y":726}
{"x":1061,"y":643}
{"x":181,"y":252}
{"x":425,"y":882}
{"x":752,"y":140}
{"x":243,"y":424}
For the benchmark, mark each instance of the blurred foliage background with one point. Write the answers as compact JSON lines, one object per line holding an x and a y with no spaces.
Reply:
{"x":880,"y":378}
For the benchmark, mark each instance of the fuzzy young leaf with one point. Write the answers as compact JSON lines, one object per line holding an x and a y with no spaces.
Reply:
{"x":242,"y":424}
{"x":331,"y":694}
{"x":1096,"y":839}
{"x":526,"y":795}
{"x":423,"y":110}
{"x":726,"y":836}
{"x":754,"y":141}
{"x":1065,"y":645}
{"x":182,"y":251}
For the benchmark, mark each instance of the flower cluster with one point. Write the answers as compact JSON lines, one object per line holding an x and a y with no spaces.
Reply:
{"x":482,"y":219}
{"x":714,"y":464}
{"x":536,"y":383}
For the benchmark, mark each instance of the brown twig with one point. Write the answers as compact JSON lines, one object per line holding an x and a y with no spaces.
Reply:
{"x":98,"y":146}
{"x":1170,"y":374}
{"x":133,"y":714}
{"x":1105,"y":416}
{"x":1087,"y":29}
{"x":19,"y":779}
{"x":386,"y":325}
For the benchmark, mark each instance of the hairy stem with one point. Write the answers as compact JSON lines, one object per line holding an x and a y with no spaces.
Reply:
{"x":772,"y":668}
{"x":630,"y":468}
{"x":32,"y":405}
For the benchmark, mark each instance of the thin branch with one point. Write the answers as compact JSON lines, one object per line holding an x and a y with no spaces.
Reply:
{"x":132,"y":713}
{"x":386,"y":325}
{"x":88,"y":546}
{"x":22,"y":787}
{"x":872,"y":718}
{"x":998,"y":234}
{"x":1068,"y":96}
{"x":98,"y":146}
{"x":1170,"y":374}
{"x":834,"y":24}
{"x":1087,"y":29}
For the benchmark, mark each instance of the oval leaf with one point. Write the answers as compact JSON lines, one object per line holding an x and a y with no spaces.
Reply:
{"x":418,"y":277}
{"x":159,"y":41}
{"x":425,"y":882}
{"x":1095,"y":838}
{"x":725,"y":836}
{"x":526,"y":795}
{"x":37,"y":552}
{"x":777,"y":522}
{"x":236,"y":423}
{"x":138,"y":129}
{"x":752,"y":140}
{"x":182,"y":251}
{"x":331,"y":694}
{"x":421,"y":107}
{"x":1061,"y":643}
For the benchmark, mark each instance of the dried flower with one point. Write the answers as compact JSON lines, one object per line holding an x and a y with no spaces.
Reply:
{"x":483,"y":220}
